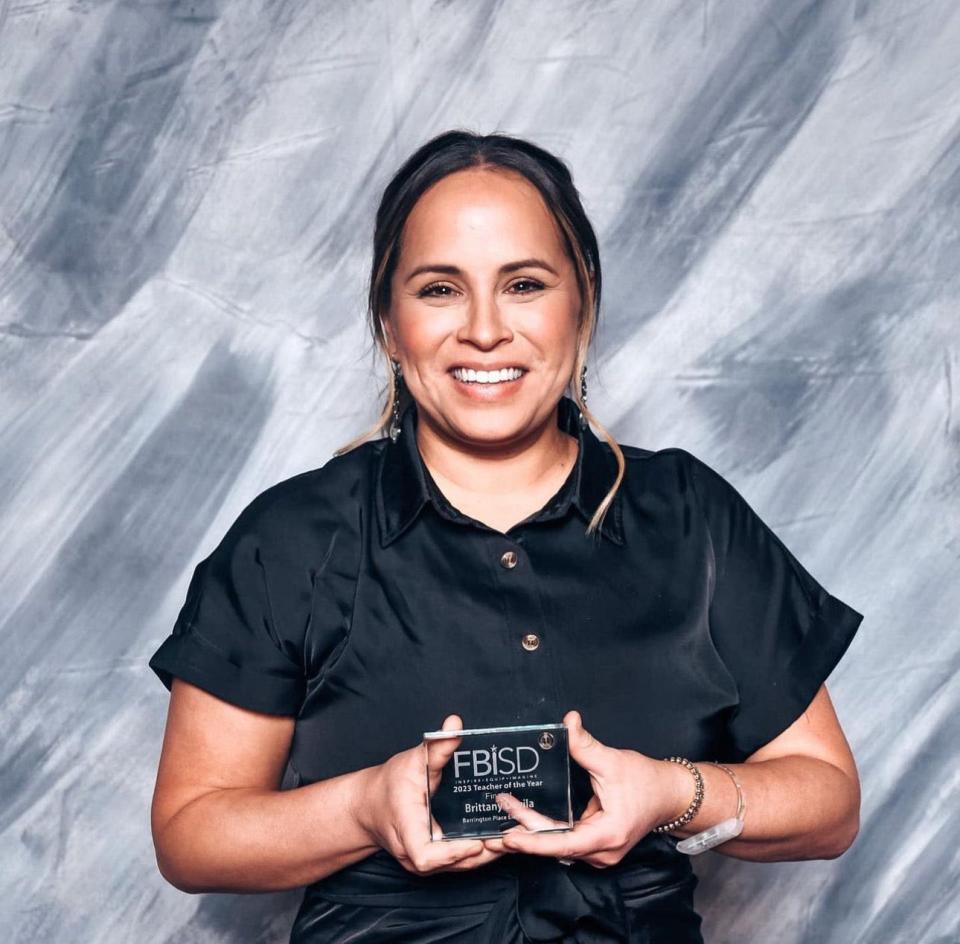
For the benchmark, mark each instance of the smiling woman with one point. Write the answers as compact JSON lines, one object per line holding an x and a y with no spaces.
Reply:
{"x":487,"y":351}
{"x":492,"y":562}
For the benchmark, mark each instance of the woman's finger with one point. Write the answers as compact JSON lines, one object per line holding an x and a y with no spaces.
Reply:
{"x":440,"y":750}
{"x":585,"y":749}
{"x":452,"y":723}
{"x":526,"y":816}
{"x":474,"y":862}
{"x":428,"y":856}
{"x":592,"y":808}
{"x":495,"y":844}
{"x":436,"y":830}
{"x":444,"y":855}
{"x":584,"y":839}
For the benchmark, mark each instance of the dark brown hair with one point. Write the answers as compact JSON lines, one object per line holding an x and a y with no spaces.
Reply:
{"x":459,"y":150}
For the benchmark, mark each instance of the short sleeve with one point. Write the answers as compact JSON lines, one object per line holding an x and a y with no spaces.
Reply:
{"x":779,"y":632}
{"x":227,"y":639}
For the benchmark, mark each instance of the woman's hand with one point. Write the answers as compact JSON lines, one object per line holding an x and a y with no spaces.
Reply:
{"x":631,"y":794}
{"x":392,"y":809}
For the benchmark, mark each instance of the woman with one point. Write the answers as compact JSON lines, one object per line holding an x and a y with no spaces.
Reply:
{"x":492,"y":562}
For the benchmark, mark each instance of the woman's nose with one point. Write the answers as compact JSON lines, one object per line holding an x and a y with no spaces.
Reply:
{"x":484,"y":324}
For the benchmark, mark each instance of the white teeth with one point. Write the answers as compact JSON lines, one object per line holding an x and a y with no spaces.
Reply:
{"x":487,"y":376}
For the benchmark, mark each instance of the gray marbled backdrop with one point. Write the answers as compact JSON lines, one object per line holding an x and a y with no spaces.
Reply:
{"x":186,"y":198}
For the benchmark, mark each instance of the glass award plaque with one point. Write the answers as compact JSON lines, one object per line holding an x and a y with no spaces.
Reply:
{"x":530,"y":762}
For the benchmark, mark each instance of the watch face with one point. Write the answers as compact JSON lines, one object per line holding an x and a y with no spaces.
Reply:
{"x":530,"y":762}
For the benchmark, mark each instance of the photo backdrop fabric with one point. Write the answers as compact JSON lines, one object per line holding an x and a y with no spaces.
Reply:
{"x":187,"y":194}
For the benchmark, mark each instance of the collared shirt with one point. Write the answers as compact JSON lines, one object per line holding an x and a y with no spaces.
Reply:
{"x":357,"y":599}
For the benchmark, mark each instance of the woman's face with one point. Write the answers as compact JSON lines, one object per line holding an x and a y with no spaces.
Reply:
{"x":483,"y":283}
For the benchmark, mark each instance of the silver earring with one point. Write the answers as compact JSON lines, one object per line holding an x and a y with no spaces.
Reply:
{"x":583,"y":395}
{"x":397,"y":380}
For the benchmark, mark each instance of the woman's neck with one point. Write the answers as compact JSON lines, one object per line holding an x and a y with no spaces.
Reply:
{"x":498,"y":484}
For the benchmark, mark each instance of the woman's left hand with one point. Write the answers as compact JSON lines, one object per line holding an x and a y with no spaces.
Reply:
{"x":631,"y":795}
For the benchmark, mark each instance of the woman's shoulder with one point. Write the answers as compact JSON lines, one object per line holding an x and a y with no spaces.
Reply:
{"x":329,"y":496}
{"x":676,"y":471}
{"x":668,"y":459}
{"x":686,"y":479}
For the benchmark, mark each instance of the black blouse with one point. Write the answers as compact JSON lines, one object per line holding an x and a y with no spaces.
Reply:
{"x":357,"y":599}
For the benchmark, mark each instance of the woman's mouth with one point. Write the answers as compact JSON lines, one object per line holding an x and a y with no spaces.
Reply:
{"x":465,"y":375}
{"x":488,"y":384}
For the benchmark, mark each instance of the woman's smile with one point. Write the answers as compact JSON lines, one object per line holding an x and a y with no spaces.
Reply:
{"x":487,"y":385}
{"x":486,"y":294}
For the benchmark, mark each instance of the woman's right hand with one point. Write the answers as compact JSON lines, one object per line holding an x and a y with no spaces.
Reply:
{"x":392,"y":809}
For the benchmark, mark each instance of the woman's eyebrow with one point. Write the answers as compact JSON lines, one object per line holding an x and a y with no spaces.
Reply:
{"x":507,"y":267}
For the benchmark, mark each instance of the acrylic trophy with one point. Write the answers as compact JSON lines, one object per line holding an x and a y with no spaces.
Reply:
{"x":530,"y":762}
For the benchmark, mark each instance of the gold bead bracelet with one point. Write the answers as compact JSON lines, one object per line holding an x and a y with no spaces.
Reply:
{"x":694,"y":806}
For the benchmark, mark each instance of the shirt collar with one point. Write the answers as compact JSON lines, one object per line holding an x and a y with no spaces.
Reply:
{"x":404,"y":484}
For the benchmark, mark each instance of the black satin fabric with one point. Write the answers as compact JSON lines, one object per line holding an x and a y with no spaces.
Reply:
{"x":357,"y":599}
{"x":646,"y":899}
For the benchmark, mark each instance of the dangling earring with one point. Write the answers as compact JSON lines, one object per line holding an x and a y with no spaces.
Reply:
{"x":397,"y":380}
{"x":583,"y":395}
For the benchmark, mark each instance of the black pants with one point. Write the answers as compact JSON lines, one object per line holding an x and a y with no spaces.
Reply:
{"x":518,"y":899}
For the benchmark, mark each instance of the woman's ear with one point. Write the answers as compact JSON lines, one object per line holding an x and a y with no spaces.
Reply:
{"x":388,"y":343}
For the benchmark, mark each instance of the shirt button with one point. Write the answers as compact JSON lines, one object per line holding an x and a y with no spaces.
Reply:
{"x":530,"y":642}
{"x":508,"y":559}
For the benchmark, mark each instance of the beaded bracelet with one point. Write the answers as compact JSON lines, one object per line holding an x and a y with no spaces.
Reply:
{"x":722,"y":832}
{"x":694,"y":806}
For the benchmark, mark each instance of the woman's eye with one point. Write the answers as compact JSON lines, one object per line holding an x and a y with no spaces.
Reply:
{"x":428,"y":290}
{"x":535,"y":286}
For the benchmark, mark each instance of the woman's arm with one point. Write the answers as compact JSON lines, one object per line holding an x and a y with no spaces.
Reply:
{"x":221,"y":823}
{"x":801,"y":791}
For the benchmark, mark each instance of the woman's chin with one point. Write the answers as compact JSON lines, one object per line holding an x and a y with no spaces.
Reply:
{"x":493,"y":428}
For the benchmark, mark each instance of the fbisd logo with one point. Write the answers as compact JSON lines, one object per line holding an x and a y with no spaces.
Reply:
{"x":496,"y":761}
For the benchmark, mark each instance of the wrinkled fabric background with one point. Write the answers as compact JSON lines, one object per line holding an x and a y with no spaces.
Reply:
{"x":186,"y":202}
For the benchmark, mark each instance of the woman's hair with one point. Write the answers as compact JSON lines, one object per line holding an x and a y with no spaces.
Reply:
{"x":459,"y":150}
